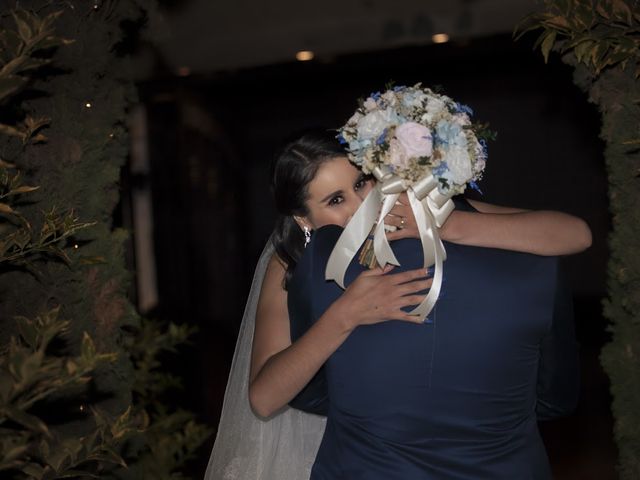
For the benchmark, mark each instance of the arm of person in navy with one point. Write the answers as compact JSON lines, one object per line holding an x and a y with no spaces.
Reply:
{"x":558,"y":372}
{"x":314,"y":397}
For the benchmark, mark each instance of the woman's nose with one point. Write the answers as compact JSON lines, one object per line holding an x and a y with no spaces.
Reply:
{"x":354,"y":204}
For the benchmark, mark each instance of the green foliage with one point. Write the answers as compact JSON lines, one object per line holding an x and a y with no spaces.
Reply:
{"x":31,"y":374}
{"x":118,"y":426}
{"x":172,"y":437}
{"x":601,"y":40}
{"x":600,"y":33}
{"x":19,"y":49}
{"x":20,"y":243}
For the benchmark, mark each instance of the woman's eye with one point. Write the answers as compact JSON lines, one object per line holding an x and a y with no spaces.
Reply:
{"x":335,"y":200}
{"x":359,"y":184}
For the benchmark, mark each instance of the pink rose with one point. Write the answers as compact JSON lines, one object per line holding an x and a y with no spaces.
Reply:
{"x":397,"y":156}
{"x":415,"y":139}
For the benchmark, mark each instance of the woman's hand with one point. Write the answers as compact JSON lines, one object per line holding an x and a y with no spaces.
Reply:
{"x":376,"y":296}
{"x":401,"y":216}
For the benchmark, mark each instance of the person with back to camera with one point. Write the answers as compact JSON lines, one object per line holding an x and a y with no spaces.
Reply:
{"x":406,"y":399}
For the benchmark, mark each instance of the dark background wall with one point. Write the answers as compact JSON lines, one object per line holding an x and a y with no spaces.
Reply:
{"x":211,"y":139}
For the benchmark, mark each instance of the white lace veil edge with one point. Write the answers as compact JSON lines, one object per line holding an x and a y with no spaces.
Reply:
{"x":247,"y":447}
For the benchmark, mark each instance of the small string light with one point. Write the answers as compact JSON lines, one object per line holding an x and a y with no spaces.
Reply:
{"x":88,"y":105}
{"x":82,"y":408}
{"x":76,"y":246}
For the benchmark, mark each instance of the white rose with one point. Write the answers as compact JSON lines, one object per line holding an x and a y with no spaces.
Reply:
{"x":374,"y":123}
{"x":415,"y":139}
{"x":459,"y":164}
{"x":370,"y":104}
{"x":398,"y":157}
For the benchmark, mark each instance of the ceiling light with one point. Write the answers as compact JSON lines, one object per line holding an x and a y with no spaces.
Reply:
{"x":304,"y":55}
{"x":440,"y":38}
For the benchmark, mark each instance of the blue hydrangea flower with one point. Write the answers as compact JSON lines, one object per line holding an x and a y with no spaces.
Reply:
{"x":450,"y":133}
{"x":475,"y":186}
{"x":440,"y":170}
{"x":461,"y":108}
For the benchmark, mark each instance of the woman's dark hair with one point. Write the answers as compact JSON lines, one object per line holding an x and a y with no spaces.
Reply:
{"x":293,"y":168}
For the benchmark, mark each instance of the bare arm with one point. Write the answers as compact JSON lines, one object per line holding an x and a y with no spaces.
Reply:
{"x":541,"y":232}
{"x":279,"y":368}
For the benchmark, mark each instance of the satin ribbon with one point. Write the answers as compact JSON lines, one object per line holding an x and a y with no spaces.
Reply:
{"x":430,"y":208}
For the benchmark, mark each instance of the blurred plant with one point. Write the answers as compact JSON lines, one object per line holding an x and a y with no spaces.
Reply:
{"x":19,"y":51}
{"x":172,"y":437}
{"x":600,"y":33}
{"x":29,"y":376}
{"x":601,"y":40}
{"x":39,"y":377}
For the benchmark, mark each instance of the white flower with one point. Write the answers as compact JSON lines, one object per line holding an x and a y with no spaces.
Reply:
{"x":435,"y":106}
{"x":374,"y":123}
{"x":370,"y":104}
{"x":415,"y":139}
{"x":462,"y":119}
{"x":459,"y":164}
{"x":390,"y":98}
{"x":355,"y":118}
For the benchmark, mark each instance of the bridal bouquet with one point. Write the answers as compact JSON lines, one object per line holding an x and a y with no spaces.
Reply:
{"x":412,"y":140}
{"x":416,"y":132}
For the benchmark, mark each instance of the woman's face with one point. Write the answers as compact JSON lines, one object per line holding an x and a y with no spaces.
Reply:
{"x":335,"y":193}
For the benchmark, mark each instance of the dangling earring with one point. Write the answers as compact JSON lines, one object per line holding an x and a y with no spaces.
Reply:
{"x":307,"y":235}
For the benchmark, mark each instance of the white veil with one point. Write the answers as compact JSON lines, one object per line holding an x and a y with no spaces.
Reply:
{"x":246,"y":447}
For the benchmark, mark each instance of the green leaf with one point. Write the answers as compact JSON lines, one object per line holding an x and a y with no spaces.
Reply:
{"x":52,"y":41}
{"x":29,"y":421}
{"x":33,"y":470}
{"x":547,"y":45}
{"x":8,"y":86}
{"x":25,"y":23}
{"x":77,"y":474}
{"x":4,"y":208}
{"x":88,"y":351}
{"x":622,"y":11}
{"x":22,"y":189}
{"x":582,"y":50}
{"x":28,"y":331}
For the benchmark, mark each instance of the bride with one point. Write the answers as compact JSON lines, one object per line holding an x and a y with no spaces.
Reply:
{"x":259,"y":435}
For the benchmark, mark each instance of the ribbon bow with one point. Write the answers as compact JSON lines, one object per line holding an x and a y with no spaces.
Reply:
{"x":431,"y":210}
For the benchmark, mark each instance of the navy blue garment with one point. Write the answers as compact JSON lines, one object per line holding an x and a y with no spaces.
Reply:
{"x":454,"y":398}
